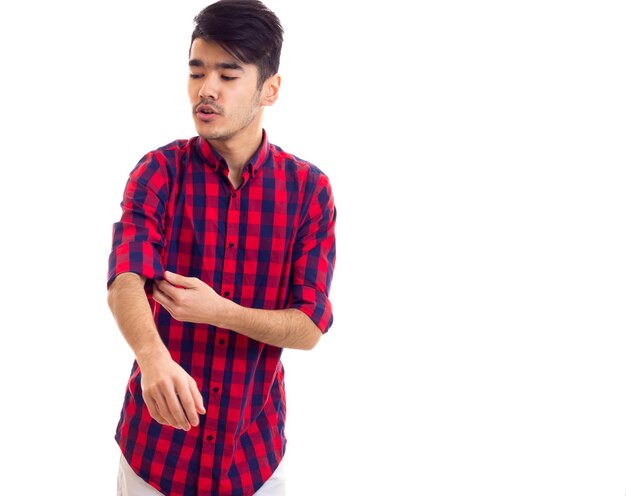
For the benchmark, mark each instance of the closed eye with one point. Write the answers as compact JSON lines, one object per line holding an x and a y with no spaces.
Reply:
{"x":195,"y":76}
{"x":228,"y":78}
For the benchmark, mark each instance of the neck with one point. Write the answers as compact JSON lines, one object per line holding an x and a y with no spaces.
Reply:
{"x":238,"y":149}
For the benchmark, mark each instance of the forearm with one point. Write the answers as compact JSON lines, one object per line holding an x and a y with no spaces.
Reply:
{"x":188,"y":299}
{"x":289,"y":328}
{"x":129,"y":305}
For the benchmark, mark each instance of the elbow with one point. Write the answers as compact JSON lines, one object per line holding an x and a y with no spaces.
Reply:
{"x":121,"y":285}
{"x":309,"y":333}
{"x":313,"y":338}
{"x":112,"y":293}
{"x":317,"y":335}
{"x":111,"y":299}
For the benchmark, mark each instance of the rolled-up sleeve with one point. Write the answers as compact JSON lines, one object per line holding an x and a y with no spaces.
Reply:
{"x":313,"y":258}
{"x":138,"y":239}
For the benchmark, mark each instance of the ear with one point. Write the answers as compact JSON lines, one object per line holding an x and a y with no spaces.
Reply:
{"x":269,"y":93}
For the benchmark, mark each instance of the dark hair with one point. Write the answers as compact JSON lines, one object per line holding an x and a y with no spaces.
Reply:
{"x":246,"y":29}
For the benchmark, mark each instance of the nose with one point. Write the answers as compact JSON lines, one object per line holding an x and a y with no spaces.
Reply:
{"x":208,"y":89}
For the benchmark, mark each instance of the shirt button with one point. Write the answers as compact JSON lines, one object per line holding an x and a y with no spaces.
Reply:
{"x":231,"y":245}
{"x":221,"y":341}
{"x":209,"y":438}
{"x":216,"y":390}
{"x":226,"y":293}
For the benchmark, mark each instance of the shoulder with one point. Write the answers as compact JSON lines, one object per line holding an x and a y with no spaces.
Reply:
{"x":307,"y":181}
{"x":299,"y":169}
{"x":163,"y":161}
{"x":170,"y":153}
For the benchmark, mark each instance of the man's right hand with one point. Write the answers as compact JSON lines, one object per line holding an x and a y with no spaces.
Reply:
{"x":170,"y":393}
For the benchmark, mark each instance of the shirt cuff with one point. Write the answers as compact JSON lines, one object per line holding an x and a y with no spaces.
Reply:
{"x":314,"y":304}
{"x":140,"y":257}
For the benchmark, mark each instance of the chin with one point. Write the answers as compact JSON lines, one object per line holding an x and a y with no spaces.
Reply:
{"x":209,"y":132}
{"x":213,"y":136}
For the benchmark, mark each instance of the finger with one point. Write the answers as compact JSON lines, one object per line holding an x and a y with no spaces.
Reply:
{"x":186,"y":400}
{"x":153,"y":409}
{"x":176,"y":411}
{"x":160,"y":296}
{"x":161,"y":414}
{"x":167,"y":289}
{"x":164,"y":410}
{"x":179,"y":281}
{"x":197,"y":397}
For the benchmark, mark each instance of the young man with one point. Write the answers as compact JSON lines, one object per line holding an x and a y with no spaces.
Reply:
{"x":223,"y":257}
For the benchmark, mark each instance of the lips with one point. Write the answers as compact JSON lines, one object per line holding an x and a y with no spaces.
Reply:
{"x":206,"y":113}
{"x":206,"y":110}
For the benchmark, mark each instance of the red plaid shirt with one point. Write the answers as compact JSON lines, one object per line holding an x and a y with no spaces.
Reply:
{"x":269,"y":244}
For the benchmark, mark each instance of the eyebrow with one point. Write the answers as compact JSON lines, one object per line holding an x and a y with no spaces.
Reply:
{"x":220,"y":65}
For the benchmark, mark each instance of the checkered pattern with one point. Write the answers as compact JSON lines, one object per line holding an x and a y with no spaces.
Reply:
{"x":269,"y":244}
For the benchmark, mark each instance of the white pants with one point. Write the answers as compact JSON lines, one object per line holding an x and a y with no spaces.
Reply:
{"x":130,"y":484}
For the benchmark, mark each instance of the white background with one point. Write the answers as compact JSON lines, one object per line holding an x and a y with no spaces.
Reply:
{"x":476,"y":150}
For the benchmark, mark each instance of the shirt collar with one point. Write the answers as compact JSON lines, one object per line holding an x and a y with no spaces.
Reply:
{"x":214,"y":160}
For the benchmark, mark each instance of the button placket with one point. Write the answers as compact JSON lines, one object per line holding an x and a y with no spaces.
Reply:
{"x":230,"y":252}
{"x":221,"y":335}
{"x":220,"y":348}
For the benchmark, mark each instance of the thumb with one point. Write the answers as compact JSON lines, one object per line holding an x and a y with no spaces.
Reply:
{"x":178,"y":280}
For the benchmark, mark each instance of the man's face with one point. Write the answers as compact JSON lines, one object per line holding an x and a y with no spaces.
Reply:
{"x":223,"y":91}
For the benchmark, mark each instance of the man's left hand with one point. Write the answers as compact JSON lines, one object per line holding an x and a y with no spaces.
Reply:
{"x":188,"y":299}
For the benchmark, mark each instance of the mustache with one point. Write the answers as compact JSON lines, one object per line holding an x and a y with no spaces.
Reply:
{"x":211,"y":104}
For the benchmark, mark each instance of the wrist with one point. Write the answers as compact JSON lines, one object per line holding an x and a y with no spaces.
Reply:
{"x":150,"y":353}
{"x":228,"y":314}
